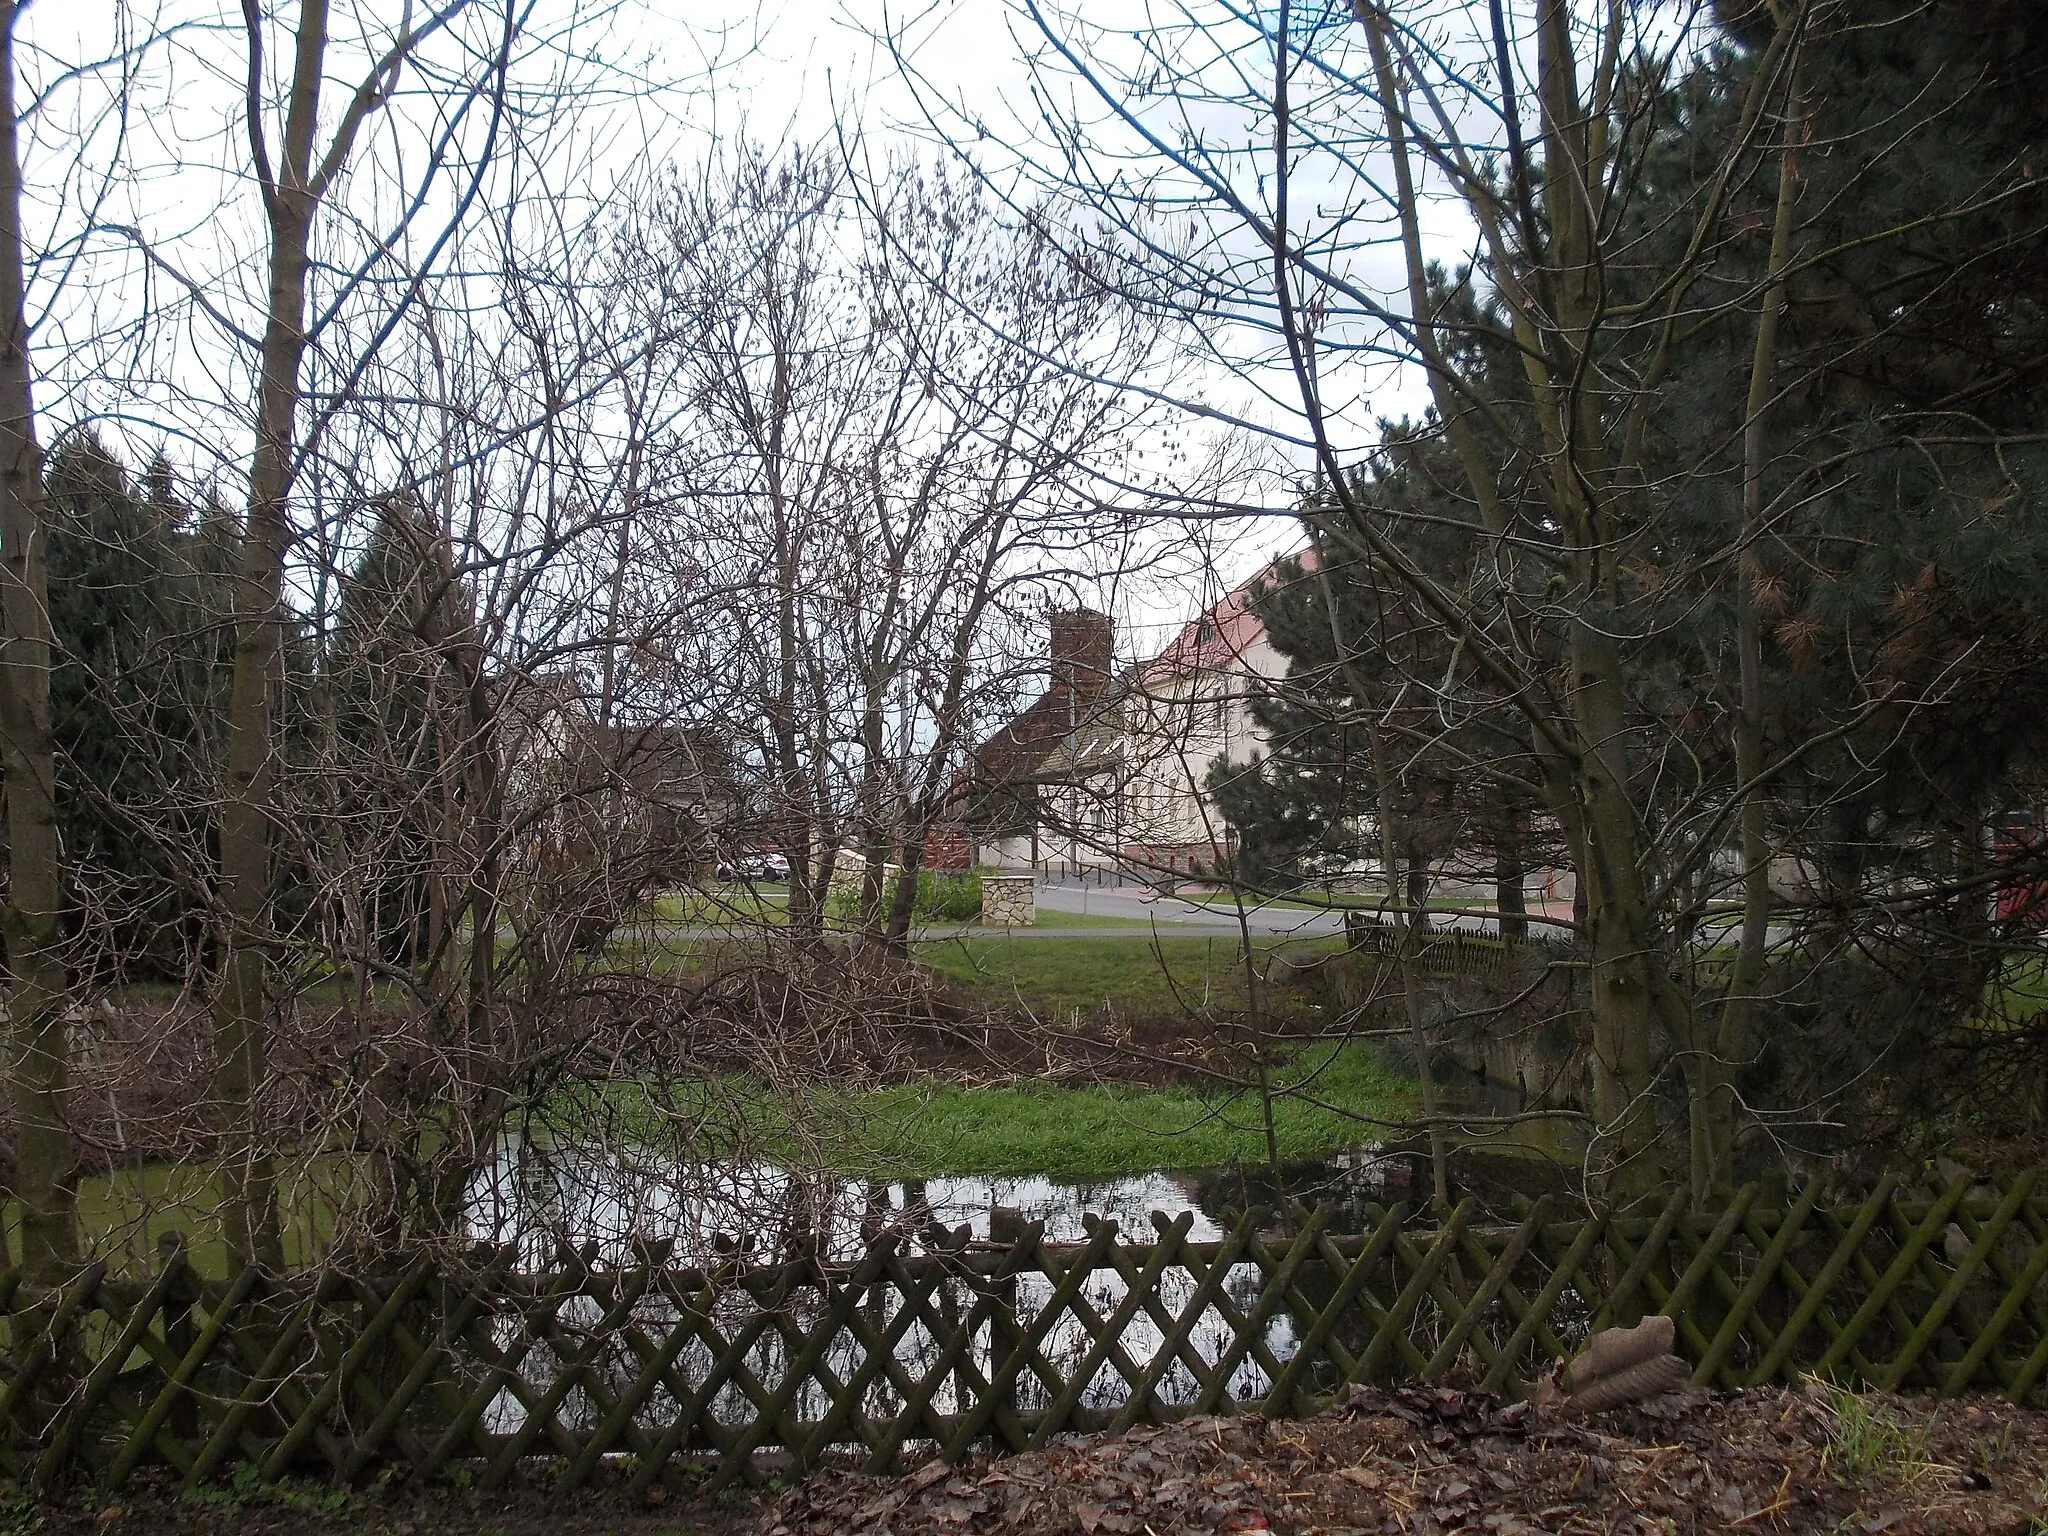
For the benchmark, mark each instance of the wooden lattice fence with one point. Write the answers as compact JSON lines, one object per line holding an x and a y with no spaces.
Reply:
{"x":894,"y":1354}
{"x":1453,"y":951}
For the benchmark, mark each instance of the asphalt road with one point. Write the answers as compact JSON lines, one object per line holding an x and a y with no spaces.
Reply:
{"x":1272,"y":918}
{"x":1170,"y":915}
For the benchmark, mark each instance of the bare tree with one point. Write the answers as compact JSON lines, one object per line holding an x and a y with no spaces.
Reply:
{"x":1300,"y":169}
{"x":296,"y":167}
{"x":34,"y":915}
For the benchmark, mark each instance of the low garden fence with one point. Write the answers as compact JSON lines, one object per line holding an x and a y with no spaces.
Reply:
{"x":472,"y":1368}
{"x":1453,"y":951}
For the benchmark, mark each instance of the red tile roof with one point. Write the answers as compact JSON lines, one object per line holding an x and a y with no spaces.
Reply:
{"x":1221,"y":633}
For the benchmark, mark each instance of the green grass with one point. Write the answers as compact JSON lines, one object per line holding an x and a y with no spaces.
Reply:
{"x":1136,"y":973}
{"x":930,"y":1129}
{"x":728,"y":905}
{"x":1869,"y":1437}
{"x":122,"y":1214}
{"x":2020,"y":991}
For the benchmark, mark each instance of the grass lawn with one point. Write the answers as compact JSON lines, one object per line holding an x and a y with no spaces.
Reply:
{"x":727,"y":904}
{"x":2020,"y":991}
{"x":930,"y":1129}
{"x":1135,"y":971}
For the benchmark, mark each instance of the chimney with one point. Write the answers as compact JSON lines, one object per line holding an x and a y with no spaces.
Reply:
{"x":1083,"y":648}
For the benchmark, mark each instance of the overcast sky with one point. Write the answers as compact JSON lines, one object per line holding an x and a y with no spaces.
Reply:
{"x":776,"y":72}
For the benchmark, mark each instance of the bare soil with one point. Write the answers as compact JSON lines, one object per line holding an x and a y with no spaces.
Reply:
{"x":145,"y":1092}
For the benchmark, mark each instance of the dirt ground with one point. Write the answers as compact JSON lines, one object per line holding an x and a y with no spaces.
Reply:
{"x":314,"y":1509}
{"x":1433,"y":1462}
{"x":1412,"y":1462}
{"x":146,"y":1091}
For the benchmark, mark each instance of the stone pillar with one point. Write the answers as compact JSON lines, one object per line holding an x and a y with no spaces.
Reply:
{"x":1009,"y":901}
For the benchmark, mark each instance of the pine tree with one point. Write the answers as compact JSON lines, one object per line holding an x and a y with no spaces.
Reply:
{"x":137,"y":693}
{"x":397,"y":773}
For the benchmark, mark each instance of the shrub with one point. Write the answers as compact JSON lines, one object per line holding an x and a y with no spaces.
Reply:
{"x":941,"y":897}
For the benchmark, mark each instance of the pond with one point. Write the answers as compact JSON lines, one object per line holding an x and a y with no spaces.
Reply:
{"x":894,"y":1343}
{"x":540,"y":1198}
{"x":1186,"y":1333}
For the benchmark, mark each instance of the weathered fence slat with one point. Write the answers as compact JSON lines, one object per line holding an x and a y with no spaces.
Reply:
{"x":891,"y":1353}
{"x":1496,"y":1281}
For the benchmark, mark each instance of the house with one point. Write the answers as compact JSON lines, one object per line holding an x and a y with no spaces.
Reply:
{"x":1108,"y":770}
{"x":647,"y":800}
{"x":1110,"y":775}
{"x":1185,"y":710}
{"x":1000,"y":791}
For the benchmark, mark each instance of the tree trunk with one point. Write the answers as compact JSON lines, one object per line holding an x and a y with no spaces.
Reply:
{"x":1556,"y":310}
{"x":1620,"y":950}
{"x":241,"y":1008}
{"x":1713,"y":1098}
{"x":44,"y":1178}
{"x":1510,"y":876}
{"x":1582,"y":488}
{"x":876,"y":840}
{"x":1417,"y":860}
{"x":1414,"y":919}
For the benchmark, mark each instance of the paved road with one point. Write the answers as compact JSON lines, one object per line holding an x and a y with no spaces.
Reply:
{"x":1144,"y":906}
{"x":1174,"y":916}
{"x":1301,"y":922}
{"x":1171,"y":915}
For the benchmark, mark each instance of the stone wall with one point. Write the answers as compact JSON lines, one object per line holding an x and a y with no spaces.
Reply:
{"x":1009,"y":901}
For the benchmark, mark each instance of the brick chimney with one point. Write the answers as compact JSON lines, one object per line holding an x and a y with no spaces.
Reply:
{"x":1083,"y":649}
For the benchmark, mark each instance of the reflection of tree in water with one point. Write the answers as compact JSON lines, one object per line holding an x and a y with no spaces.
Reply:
{"x":761,"y":1259}
{"x":776,"y":1292}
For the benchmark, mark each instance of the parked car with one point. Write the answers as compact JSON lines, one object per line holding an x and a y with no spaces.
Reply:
{"x":754,"y":864}
{"x":2022,"y":895}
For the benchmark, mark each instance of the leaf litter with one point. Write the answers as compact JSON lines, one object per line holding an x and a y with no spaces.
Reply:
{"x":1422,"y":1461}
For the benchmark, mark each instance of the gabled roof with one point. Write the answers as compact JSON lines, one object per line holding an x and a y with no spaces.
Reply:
{"x":1222,"y":632}
{"x":1095,"y":745}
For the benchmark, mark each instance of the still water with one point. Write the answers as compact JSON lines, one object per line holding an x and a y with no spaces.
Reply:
{"x":1190,"y":1331}
{"x":540,"y":1197}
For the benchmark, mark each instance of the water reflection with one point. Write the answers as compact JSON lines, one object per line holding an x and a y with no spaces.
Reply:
{"x":763,"y":1315}
{"x":621,"y":1202}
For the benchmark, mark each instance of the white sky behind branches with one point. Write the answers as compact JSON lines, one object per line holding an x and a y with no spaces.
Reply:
{"x":149,"y":284}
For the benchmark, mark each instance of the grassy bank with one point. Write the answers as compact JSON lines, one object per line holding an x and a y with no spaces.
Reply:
{"x":928,"y":1129}
{"x":1054,"y":917}
{"x":924,"y":1129}
{"x":1136,"y":973}
{"x":2019,"y":993}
